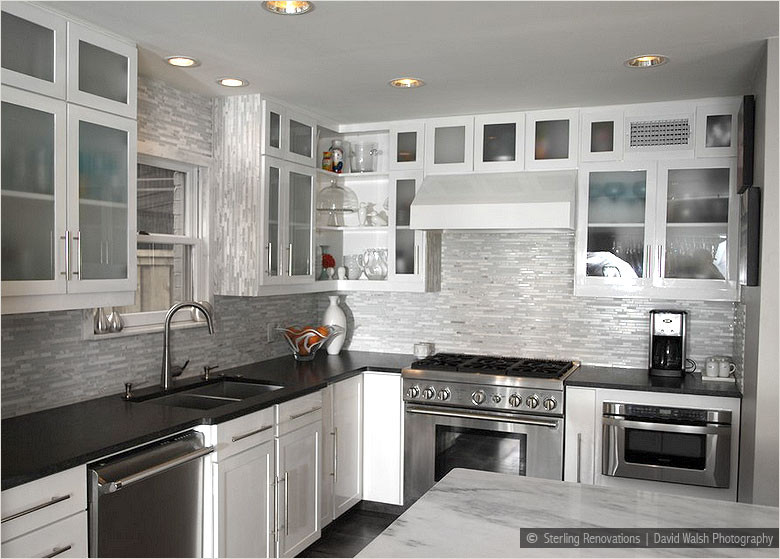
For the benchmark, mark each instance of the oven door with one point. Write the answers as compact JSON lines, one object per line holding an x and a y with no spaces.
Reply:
{"x":677,"y":453}
{"x":438,"y":439}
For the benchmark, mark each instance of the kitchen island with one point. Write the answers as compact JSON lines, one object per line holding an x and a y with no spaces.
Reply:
{"x":480,"y":514}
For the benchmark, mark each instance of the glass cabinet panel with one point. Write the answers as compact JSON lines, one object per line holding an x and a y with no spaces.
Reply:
{"x":449,"y":145}
{"x":300,"y":138}
{"x":103,"y":189}
{"x":405,"y":238}
{"x":616,"y":224}
{"x":102,"y":72}
{"x":404,"y":251}
{"x":499,"y":142}
{"x":602,"y":136}
{"x":28,"y":183}
{"x":552,"y":139}
{"x":697,"y":212}
{"x":275,"y":130}
{"x":407,"y":147}
{"x":272,"y":227}
{"x":718,"y":132}
{"x":27,"y":48}
{"x":300,"y":224}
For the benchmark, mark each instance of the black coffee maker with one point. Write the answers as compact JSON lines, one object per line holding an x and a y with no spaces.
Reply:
{"x":667,"y":343}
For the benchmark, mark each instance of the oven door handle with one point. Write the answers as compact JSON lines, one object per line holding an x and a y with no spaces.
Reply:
{"x":709,"y":429}
{"x":481,"y":415}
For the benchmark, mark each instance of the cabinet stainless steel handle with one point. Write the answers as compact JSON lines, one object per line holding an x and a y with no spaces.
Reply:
{"x":269,"y":247}
{"x":707,"y":429}
{"x":661,"y":261}
{"x":579,"y":457}
{"x":77,"y":238}
{"x":480,"y":415}
{"x":113,"y":486}
{"x":648,"y":271}
{"x":289,"y":259}
{"x":58,"y":551}
{"x":336,"y":454}
{"x":286,"y":507}
{"x":66,"y":238}
{"x":255,"y":432}
{"x":53,"y":501}
{"x":417,"y":259}
{"x":297,"y":415}
{"x":276,"y":508}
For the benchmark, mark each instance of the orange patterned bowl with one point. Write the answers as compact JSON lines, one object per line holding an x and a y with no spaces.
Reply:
{"x":304,"y":342}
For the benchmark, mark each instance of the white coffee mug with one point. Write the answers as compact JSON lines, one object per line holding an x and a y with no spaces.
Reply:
{"x":725,"y":367}
{"x":712,"y":367}
{"x":423,"y":350}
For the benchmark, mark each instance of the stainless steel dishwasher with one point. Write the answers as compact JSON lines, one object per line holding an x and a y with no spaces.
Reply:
{"x":148,"y":502}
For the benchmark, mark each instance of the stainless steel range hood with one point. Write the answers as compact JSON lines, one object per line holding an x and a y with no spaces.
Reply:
{"x":524,"y":200}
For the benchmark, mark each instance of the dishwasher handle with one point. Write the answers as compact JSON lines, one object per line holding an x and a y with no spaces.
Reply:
{"x":113,"y":486}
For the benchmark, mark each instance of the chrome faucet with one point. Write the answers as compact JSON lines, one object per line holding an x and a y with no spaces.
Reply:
{"x":165,"y":379}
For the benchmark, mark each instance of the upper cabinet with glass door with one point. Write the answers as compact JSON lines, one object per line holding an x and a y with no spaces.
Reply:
{"x":288,"y":134}
{"x":102,"y":71}
{"x":716,"y":130}
{"x":602,"y":135}
{"x":33,"y":49}
{"x":407,"y":145}
{"x":407,"y":246}
{"x":499,"y":141}
{"x":449,"y":145}
{"x":551,"y":139}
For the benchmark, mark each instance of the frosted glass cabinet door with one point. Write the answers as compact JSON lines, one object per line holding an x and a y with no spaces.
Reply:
{"x":551,"y":139}
{"x":449,"y":145}
{"x":407,"y":245}
{"x":273,"y":202}
{"x":300,"y":138}
{"x":716,"y":130}
{"x":33,"y":49}
{"x":101,"y":200}
{"x":602,"y":135}
{"x":300,"y":215}
{"x":697,"y":223}
{"x":33,"y":194}
{"x":498,"y":142}
{"x":407,"y":145}
{"x":102,"y":71}
{"x":273,"y":129}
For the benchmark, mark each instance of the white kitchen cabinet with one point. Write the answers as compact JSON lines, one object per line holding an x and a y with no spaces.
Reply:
{"x":407,"y":246}
{"x":348,"y":444}
{"x":102,"y":71}
{"x":580,"y":439}
{"x":499,"y":141}
{"x":602,"y":134}
{"x":298,"y":480}
{"x":274,"y":138}
{"x":551,"y":139}
{"x":407,"y":145}
{"x":33,"y":49}
{"x":288,"y":225}
{"x":383,"y":451}
{"x":716,"y":129}
{"x":449,"y":145}
{"x":327,"y":464}
{"x":64,"y":538}
{"x":300,"y":138}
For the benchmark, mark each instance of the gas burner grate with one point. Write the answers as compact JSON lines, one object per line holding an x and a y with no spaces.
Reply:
{"x":510,"y":366}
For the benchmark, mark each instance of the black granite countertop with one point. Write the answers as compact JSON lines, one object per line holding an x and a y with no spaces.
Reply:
{"x":43,"y":443}
{"x":639,"y":379}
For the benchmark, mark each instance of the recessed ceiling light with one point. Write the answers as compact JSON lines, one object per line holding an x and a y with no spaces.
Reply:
{"x":289,"y":8}
{"x":646,"y":61}
{"x":406,"y":82}
{"x":182,"y":61}
{"x":232,"y":82}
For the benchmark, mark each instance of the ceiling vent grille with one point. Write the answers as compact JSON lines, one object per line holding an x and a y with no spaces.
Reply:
{"x":656,"y":133}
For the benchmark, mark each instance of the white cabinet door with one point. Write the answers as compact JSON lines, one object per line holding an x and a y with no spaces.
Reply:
{"x":273,"y":174}
{"x":298,"y":223}
{"x":580,"y":440}
{"x":407,"y":145}
{"x":499,"y":141}
{"x":383,"y":452}
{"x":407,"y":246}
{"x":449,"y":145}
{"x":34,"y":192}
{"x":274,"y":130}
{"x":348,"y":443}
{"x":102,"y":71}
{"x":64,"y":538}
{"x":245,"y":503}
{"x":298,"y":472}
{"x":101,"y":201}
{"x":602,"y":135}
{"x":716,"y":130}
{"x":328,"y":455}
{"x":300,"y":138}
{"x":551,"y":139}
{"x":33,"y":49}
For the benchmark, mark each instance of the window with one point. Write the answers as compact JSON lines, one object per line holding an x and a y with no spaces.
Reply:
{"x":171,"y":255}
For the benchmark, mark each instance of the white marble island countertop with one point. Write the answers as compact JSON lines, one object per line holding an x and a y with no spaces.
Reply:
{"x":480,"y":514}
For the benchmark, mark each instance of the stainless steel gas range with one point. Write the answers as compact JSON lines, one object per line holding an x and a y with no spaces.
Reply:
{"x":498,"y":414}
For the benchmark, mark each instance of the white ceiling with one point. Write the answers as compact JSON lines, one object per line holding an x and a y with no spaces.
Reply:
{"x":475,"y":57}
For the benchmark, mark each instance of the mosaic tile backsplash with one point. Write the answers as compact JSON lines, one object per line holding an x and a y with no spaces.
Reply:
{"x":512,"y":294}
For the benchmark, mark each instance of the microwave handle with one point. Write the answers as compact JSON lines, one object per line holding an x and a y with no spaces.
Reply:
{"x":709,"y":429}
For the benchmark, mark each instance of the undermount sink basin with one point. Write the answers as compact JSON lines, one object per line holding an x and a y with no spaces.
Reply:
{"x":212,"y":395}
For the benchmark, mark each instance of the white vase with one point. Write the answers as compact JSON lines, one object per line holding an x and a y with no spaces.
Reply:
{"x":334,"y":316}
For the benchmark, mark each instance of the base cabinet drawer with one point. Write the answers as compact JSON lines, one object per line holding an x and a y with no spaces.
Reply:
{"x":64,"y":538}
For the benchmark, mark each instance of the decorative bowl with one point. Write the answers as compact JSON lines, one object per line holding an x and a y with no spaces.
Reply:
{"x":304,"y":342}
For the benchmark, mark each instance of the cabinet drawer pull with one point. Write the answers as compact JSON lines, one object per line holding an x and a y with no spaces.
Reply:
{"x":77,"y":238}
{"x":66,"y":238}
{"x":54,"y":501}
{"x":286,"y":506}
{"x":297,"y":415}
{"x":579,"y":457}
{"x":290,"y":259}
{"x":335,"y":454}
{"x":58,"y":551}
{"x":255,"y":432}
{"x":269,"y":262}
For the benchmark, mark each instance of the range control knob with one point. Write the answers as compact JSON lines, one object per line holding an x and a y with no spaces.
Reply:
{"x":478,"y":397}
{"x":429,"y":393}
{"x":444,"y":394}
{"x":532,"y":401}
{"x":549,"y":404}
{"x":515,"y":401}
{"x":413,"y":392}
{"x":497,"y":398}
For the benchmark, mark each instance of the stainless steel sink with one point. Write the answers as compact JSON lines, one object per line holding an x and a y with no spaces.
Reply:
{"x":212,"y":395}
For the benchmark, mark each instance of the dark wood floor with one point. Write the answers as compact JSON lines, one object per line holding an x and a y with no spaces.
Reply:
{"x":350,"y":533}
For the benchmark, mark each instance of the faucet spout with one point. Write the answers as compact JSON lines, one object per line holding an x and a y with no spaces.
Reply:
{"x":165,"y":378}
